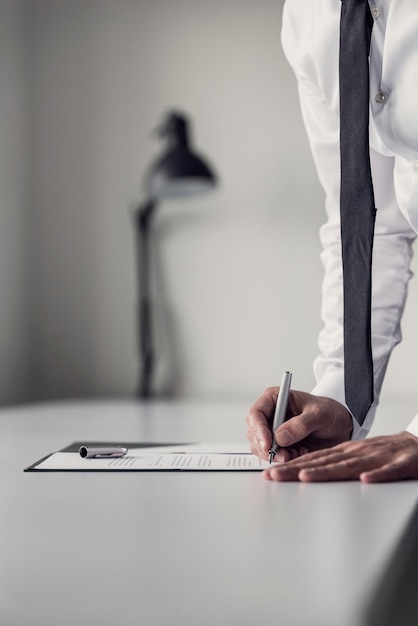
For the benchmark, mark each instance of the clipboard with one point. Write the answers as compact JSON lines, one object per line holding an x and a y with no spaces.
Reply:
{"x":152,"y":456}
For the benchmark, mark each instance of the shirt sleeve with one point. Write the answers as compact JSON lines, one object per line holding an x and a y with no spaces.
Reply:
{"x":393,"y":235}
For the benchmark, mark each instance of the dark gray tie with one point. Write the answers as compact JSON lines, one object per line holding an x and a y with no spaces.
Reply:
{"x":356,"y":204}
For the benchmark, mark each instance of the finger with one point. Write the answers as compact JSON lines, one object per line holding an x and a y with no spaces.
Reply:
{"x":260,"y":439}
{"x":258,"y":420}
{"x":322,"y":466}
{"x":348,"y":469}
{"x":319,"y":458}
{"x":291,"y":470}
{"x":389,"y":472}
{"x":284,"y":455}
{"x":281,"y":473}
{"x":263,"y":407}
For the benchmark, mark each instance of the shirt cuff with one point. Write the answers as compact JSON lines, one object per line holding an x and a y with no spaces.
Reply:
{"x":413,"y":426}
{"x":331,"y":385}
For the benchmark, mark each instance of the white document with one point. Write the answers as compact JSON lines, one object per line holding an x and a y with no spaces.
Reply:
{"x":224,"y":457}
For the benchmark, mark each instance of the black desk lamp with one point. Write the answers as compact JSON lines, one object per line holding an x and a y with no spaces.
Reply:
{"x":178,"y":173}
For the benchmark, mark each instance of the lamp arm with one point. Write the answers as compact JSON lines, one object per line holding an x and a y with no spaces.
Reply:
{"x":145,"y":338}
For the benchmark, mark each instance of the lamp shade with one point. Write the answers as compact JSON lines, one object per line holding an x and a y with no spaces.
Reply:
{"x":179,"y":172}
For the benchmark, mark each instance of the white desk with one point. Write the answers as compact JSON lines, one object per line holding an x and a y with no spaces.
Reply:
{"x":180,"y":548}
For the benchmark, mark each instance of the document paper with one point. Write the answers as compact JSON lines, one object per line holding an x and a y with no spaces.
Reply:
{"x":149,"y":459}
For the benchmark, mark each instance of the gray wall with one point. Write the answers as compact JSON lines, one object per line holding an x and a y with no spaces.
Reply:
{"x":14,"y":254}
{"x":236,"y":273}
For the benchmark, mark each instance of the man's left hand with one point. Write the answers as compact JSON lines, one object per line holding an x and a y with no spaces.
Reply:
{"x":378,"y":459}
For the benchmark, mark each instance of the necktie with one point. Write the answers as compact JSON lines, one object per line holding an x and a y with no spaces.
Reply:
{"x":356,"y":204}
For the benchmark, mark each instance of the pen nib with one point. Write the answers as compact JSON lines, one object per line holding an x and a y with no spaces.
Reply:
{"x":271,"y":456}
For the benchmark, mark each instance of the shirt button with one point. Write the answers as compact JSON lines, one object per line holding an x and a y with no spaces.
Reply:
{"x":375,"y":12}
{"x":381,"y":97}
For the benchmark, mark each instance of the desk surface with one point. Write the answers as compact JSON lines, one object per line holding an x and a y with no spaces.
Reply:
{"x":180,"y":548}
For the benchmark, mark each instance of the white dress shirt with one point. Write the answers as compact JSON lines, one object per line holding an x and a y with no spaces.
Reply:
{"x":310,"y":39}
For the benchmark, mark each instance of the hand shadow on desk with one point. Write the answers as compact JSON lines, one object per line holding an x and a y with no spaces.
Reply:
{"x":394,"y":602}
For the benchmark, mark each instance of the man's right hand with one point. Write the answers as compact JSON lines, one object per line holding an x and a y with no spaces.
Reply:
{"x":312,"y":423}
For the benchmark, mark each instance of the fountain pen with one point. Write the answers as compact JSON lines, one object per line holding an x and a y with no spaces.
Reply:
{"x":280,"y":411}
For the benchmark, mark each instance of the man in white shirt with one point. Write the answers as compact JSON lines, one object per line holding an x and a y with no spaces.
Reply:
{"x":322,"y":441}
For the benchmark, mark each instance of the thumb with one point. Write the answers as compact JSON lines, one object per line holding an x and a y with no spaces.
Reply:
{"x":298,"y":428}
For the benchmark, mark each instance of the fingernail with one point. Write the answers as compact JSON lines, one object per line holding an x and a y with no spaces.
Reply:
{"x":262,"y":443}
{"x":310,"y":470}
{"x":283,"y":439}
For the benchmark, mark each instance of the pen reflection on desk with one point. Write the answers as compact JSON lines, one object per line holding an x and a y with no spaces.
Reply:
{"x":280,"y":412}
{"x":102,"y":452}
